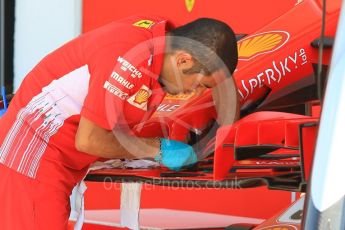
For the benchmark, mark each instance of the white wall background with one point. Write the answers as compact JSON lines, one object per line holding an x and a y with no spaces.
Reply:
{"x":41,"y":26}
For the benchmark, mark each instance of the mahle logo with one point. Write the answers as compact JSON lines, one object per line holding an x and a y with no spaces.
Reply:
{"x":262,"y":43}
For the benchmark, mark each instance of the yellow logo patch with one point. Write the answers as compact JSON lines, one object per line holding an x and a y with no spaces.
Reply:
{"x":181,"y":96}
{"x":189,"y":5}
{"x":144,"y":23}
{"x":140,"y":98}
{"x":262,"y":43}
{"x":280,"y":227}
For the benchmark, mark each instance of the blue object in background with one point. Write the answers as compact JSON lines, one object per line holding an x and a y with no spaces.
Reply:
{"x":3,"y":96}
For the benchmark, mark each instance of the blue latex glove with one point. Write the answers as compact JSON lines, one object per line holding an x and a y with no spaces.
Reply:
{"x":175,"y":154}
{"x":3,"y":97}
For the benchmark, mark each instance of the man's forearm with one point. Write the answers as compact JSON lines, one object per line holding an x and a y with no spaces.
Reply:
{"x":96,"y":141}
{"x":119,"y":145}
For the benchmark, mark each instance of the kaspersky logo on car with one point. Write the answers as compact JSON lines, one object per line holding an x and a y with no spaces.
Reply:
{"x":262,"y":43}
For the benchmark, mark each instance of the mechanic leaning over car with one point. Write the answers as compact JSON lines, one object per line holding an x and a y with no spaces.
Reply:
{"x":81,"y":101}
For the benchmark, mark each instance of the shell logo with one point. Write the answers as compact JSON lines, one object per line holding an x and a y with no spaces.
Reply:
{"x":262,"y":43}
{"x":279,"y":227}
{"x":142,"y":96}
{"x":189,"y":4}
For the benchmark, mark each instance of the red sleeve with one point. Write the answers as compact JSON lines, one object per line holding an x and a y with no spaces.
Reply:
{"x":109,"y":87}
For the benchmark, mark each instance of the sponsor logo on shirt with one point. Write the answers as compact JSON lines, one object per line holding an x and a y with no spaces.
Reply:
{"x":121,"y":80}
{"x":167,"y":107}
{"x":125,"y":65}
{"x":180,"y":96}
{"x":114,"y":90}
{"x":144,"y":24}
{"x":140,"y":98}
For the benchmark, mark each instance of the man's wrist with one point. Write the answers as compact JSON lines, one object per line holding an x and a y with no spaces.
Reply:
{"x":158,"y":157}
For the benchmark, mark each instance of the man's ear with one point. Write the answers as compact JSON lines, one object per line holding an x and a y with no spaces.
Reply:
{"x":184,"y":60}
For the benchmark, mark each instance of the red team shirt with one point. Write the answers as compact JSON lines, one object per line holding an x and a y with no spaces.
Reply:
{"x":109,"y":75}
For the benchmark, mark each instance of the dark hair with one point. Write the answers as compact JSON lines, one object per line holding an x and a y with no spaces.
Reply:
{"x":211,"y":43}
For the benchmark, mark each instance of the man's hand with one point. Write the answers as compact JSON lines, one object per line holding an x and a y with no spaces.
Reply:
{"x":175,"y":154}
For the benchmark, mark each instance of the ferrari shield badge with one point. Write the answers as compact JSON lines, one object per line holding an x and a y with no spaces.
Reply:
{"x":144,"y":24}
{"x":189,"y":5}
